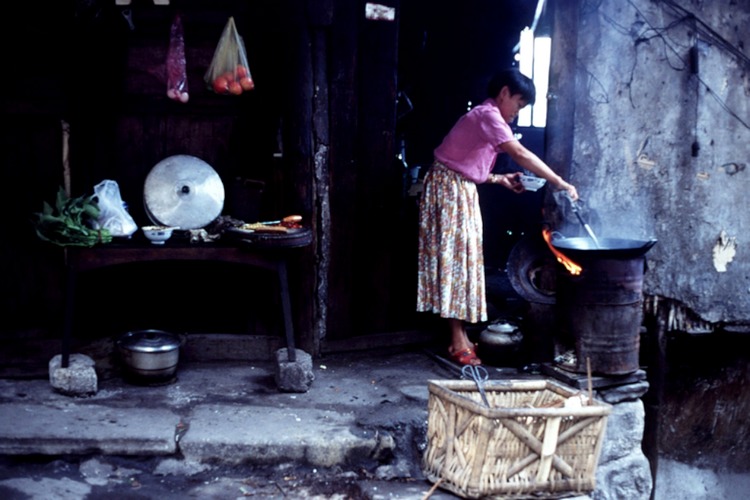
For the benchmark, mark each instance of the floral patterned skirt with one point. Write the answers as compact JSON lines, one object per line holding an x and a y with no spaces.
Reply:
{"x":451,"y":263}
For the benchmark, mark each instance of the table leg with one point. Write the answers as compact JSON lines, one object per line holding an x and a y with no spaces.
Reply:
{"x":70,"y":289}
{"x":286,"y":307}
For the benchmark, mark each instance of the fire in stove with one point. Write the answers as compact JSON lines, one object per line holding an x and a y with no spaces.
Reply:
{"x":591,"y":306}
{"x":571,"y":266}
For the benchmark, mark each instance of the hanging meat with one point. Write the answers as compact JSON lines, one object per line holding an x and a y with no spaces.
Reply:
{"x":177,"y":85}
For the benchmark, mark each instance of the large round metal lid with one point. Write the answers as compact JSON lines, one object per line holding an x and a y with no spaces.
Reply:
{"x":183,"y":191}
{"x":531,"y":270}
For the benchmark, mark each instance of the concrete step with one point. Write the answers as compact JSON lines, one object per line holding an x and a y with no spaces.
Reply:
{"x":232,"y":412}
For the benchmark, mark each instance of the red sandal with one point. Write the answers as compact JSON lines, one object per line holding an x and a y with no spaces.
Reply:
{"x":465,"y":357}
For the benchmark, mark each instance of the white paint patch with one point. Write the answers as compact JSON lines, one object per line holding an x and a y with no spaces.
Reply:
{"x":378,"y":12}
{"x":724,"y":251}
{"x":645,"y":162}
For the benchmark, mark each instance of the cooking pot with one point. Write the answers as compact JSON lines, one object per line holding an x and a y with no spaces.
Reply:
{"x":499,"y":343}
{"x":608,"y":248}
{"x":501,"y":335}
{"x":149,"y":355}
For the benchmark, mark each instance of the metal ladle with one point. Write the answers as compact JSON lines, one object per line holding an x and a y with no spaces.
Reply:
{"x":589,"y":231}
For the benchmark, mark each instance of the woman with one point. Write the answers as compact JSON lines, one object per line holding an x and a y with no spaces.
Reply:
{"x":451,"y":262}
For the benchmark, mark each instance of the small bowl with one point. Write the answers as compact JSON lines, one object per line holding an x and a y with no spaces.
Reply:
{"x":157,"y":234}
{"x":532,"y":183}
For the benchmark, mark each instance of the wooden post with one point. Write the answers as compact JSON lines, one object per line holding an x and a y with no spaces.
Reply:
{"x":562,"y":95}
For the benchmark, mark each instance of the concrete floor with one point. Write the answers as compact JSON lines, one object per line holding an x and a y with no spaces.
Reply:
{"x":223,"y":430}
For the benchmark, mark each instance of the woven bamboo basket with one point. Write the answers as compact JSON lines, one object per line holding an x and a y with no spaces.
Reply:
{"x":534,"y":439}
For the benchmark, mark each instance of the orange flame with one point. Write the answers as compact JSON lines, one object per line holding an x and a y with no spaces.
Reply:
{"x":571,"y":266}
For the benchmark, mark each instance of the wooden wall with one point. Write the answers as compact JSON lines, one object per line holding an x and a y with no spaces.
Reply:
{"x":325,"y":88}
{"x":318,"y":132}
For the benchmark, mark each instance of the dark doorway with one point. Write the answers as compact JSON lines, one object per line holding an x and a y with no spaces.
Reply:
{"x":447,"y":54}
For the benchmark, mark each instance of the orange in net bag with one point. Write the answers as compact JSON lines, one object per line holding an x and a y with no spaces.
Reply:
{"x":229,"y":73}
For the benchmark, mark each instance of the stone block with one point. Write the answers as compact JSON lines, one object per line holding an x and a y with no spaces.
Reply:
{"x":623,"y":471}
{"x":622,"y":393}
{"x":294,"y":376}
{"x":628,"y":477}
{"x":78,"y":379}
{"x":624,"y":433}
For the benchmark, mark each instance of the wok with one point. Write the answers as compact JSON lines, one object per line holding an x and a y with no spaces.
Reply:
{"x":608,"y":248}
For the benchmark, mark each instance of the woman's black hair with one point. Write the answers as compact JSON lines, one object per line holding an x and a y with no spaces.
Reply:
{"x":517,"y":83}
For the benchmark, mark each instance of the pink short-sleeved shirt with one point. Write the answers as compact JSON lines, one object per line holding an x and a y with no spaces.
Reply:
{"x":472,"y":145}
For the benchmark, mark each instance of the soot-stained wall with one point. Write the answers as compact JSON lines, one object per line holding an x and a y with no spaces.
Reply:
{"x":661,"y":147}
{"x":660,"y":150}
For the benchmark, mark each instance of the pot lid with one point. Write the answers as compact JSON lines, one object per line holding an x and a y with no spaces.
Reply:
{"x":149,"y":341}
{"x":502,"y":327}
{"x":183,"y":191}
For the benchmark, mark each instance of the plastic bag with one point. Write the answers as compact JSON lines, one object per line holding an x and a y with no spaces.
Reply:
{"x":229,"y":73}
{"x":177,"y":85}
{"x":113,"y":215}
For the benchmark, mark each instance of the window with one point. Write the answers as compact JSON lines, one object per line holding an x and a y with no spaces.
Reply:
{"x":533,"y":58}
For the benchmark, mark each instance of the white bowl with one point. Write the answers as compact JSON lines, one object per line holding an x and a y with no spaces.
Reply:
{"x":157,"y":234}
{"x":532,"y":183}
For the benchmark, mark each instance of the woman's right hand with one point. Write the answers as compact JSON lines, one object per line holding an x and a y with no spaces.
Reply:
{"x":570,"y":189}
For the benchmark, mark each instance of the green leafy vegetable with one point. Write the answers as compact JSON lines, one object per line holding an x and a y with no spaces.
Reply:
{"x":67,"y":223}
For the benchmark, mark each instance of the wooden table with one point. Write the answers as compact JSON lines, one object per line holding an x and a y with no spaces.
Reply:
{"x":265,"y":254}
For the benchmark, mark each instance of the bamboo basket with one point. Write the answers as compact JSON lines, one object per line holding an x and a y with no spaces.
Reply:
{"x":527,"y":443}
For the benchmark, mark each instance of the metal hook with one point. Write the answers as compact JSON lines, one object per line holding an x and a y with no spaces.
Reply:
{"x":128,"y":15}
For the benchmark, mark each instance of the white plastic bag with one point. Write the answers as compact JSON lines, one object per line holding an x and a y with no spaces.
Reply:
{"x":112,"y":213}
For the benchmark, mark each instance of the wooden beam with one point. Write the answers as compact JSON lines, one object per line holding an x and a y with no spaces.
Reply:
{"x":561,"y":96}
{"x":127,"y":2}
